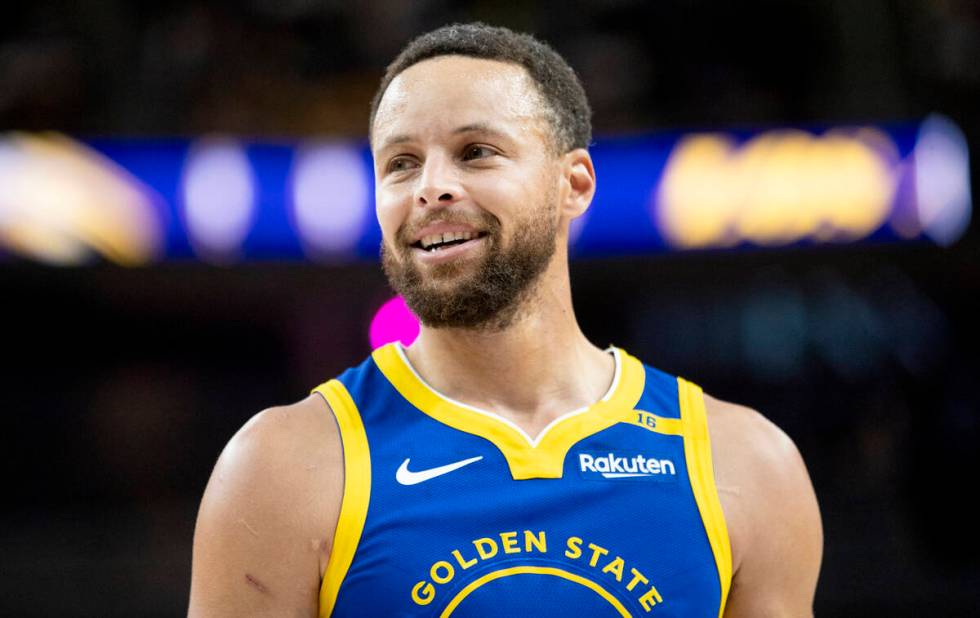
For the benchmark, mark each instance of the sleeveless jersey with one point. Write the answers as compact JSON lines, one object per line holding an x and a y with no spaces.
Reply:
{"x":449,"y":510}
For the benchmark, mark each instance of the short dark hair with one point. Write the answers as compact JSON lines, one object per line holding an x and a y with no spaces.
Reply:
{"x":567,"y":108}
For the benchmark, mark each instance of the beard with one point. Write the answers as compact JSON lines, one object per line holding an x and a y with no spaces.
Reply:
{"x":490,"y":297}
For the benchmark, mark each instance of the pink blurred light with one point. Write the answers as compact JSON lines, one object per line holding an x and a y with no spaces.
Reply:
{"x":393,"y":322}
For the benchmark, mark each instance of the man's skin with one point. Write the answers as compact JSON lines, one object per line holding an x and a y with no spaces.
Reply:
{"x":455,"y":136}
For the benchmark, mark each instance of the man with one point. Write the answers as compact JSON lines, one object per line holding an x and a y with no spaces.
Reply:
{"x":449,"y":477}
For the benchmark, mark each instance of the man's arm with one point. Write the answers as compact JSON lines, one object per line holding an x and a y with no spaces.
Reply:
{"x":772,"y":514}
{"x":268,"y":514}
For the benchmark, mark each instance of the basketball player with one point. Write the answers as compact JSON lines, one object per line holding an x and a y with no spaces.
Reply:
{"x":501,"y":465}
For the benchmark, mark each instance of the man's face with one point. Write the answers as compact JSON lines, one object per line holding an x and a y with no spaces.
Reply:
{"x":462,"y":156}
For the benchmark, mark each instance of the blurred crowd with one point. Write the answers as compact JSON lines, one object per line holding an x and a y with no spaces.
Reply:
{"x":275,"y":67}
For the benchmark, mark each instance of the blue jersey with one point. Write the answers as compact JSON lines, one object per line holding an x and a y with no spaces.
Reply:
{"x":449,"y":510}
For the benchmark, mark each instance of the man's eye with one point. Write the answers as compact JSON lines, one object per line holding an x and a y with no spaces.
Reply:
{"x":400,"y":164}
{"x":477,"y":152}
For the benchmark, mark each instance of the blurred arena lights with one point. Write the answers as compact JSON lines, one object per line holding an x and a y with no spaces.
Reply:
{"x":63,"y":203}
{"x":394,"y":321}
{"x":942,"y":180}
{"x":218,"y":197}
{"x":222,"y":200}
{"x":777,"y":188}
{"x":331,"y":198}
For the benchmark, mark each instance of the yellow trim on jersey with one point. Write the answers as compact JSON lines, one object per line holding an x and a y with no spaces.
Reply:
{"x":357,"y":491}
{"x":534,"y":570}
{"x":654,"y":423}
{"x":697,"y":453}
{"x":545,"y":457}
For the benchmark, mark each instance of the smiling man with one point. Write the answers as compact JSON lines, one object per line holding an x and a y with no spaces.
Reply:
{"x":502,"y":464}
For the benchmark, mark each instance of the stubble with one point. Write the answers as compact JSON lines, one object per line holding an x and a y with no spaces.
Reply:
{"x":487,"y":296}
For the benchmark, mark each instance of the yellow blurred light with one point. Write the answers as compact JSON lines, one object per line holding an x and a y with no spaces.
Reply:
{"x":60,"y":201}
{"x":864,"y":188}
{"x":701,"y":180}
{"x":778,"y":188}
{"x":768,"y":213}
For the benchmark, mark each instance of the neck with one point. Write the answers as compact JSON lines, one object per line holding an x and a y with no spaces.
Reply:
{"x":538,"y":368}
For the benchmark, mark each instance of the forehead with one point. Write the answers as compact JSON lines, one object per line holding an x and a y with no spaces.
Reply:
{"x":446,"y":92}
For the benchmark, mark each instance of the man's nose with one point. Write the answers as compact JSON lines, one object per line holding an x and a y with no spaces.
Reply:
{"x":438,"y":184}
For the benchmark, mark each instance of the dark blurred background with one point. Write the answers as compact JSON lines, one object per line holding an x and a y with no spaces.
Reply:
{"x":120,"y":386}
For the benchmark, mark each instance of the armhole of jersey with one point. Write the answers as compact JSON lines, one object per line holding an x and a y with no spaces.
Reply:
{"x":697,"y":453}
{"x":357,"y":491}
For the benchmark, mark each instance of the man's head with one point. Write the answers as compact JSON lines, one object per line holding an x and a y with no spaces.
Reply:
{"x":563,"y":99}
{"x":472,"y":137}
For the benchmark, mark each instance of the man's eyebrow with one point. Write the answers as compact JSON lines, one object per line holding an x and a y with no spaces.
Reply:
{"x":474,"y":127}
{"x":479,"y":127}
{"x":396,"y":139}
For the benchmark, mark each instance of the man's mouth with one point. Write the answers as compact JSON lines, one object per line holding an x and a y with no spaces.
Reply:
{"x":438,"y":242}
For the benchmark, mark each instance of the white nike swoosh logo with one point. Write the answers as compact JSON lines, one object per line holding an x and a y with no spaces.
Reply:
{"x":407,"y":477}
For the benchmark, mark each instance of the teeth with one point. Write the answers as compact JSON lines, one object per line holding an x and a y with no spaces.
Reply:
{"x":436,"y":239}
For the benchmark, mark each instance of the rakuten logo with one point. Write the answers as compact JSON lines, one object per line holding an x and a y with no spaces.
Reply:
{"x":611,"y":466}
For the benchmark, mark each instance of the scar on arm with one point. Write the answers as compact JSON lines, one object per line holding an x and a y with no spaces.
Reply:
{"x":248,"y":527}
{"x":255,"y":583}
{"x":320,"y":545}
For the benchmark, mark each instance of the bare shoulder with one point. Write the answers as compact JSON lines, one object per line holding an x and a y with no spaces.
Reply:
{"x":771,"y":512}
{"x":266,"y":520}
{"x":748,"y":447}
{"x":287,"y":439}
{"x":281,"y":454}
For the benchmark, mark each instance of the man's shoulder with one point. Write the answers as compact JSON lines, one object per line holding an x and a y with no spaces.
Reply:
{"x":753,"y":458}
{"x":280,"y":455}
{"x":744,"y":433}
{"x":265,"y":525}
{"x":287,"y":435}
{"x":763,"y":484}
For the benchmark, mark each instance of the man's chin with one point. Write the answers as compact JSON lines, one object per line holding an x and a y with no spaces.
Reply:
{"x":442,"y":281}
{"x":445,"y":271}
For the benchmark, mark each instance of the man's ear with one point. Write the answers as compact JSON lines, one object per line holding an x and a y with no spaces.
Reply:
{"x":579,"y":174}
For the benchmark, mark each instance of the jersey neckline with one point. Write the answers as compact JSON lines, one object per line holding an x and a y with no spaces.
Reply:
{"x":540,"y":457}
